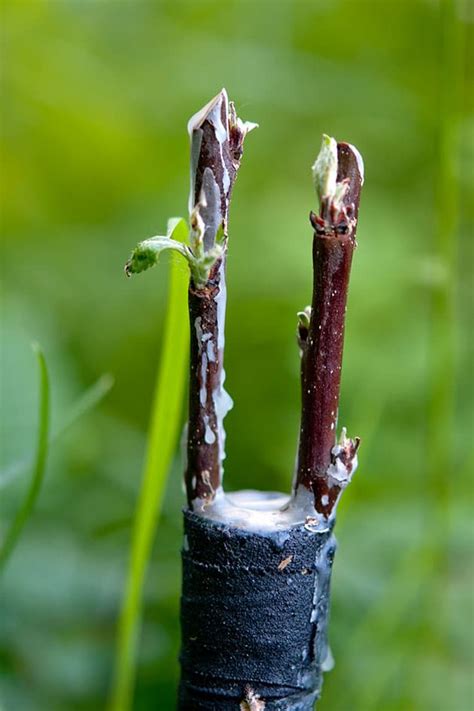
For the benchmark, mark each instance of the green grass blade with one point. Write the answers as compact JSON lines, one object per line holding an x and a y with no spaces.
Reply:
{"x":39,"y":467}
{"x":162,"y":439}
{"x":86,"y":402}
{"x":89,"y":399}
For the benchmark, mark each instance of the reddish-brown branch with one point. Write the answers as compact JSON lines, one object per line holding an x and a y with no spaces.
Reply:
{"x":322,"y":344}
{"x":205,"y":434}
{"x":217,"y":137}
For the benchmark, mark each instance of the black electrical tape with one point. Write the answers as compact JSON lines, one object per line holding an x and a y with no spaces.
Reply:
{"x":254,"y":614}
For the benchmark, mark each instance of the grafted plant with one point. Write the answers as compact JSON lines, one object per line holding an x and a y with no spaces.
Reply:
{"x":257,"y":565}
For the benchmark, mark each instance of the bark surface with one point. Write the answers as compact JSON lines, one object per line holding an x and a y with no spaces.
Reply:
{"x":208,"y":401}
{"x":217,"y":137}
{"x":322,"y":344}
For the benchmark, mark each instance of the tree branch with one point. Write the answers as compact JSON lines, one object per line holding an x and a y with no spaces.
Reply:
{"x":217,"y":137}
{"x":325,"y":467}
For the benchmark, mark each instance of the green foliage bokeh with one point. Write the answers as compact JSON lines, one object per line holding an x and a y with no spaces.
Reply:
{"x":95,"y":100}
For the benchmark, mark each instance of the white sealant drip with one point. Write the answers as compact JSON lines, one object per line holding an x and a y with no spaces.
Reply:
{"x":203,"y":389}
{"x":328,"y":662}
{"x":221,"y":299}
{"x":225,"y":175}
{"x":221,"y":399}
{"x":209,"y":436}
{"x":223,"y":403}
{"x":211,"y":352}
{"x":215,"y":118}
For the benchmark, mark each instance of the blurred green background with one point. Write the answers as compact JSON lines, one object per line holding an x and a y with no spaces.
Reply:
{"x":95,"y":99}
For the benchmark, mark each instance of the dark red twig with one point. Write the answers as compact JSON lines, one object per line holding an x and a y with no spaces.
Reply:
{"x":324,"y":467}
{"x":217,"y":137}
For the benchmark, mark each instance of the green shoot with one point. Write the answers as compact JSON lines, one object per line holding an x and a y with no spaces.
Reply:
{"x":146,"y":253}
{"x":200,"y":262}
{"x":325,"y":168}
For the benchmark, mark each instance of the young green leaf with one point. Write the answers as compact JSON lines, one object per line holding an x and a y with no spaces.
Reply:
{"x":200,"y":261}
{"x":146,"y":253}
{"x":26,"y":508}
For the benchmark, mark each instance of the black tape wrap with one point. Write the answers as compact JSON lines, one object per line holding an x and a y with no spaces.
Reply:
{"x":254,"y":614}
